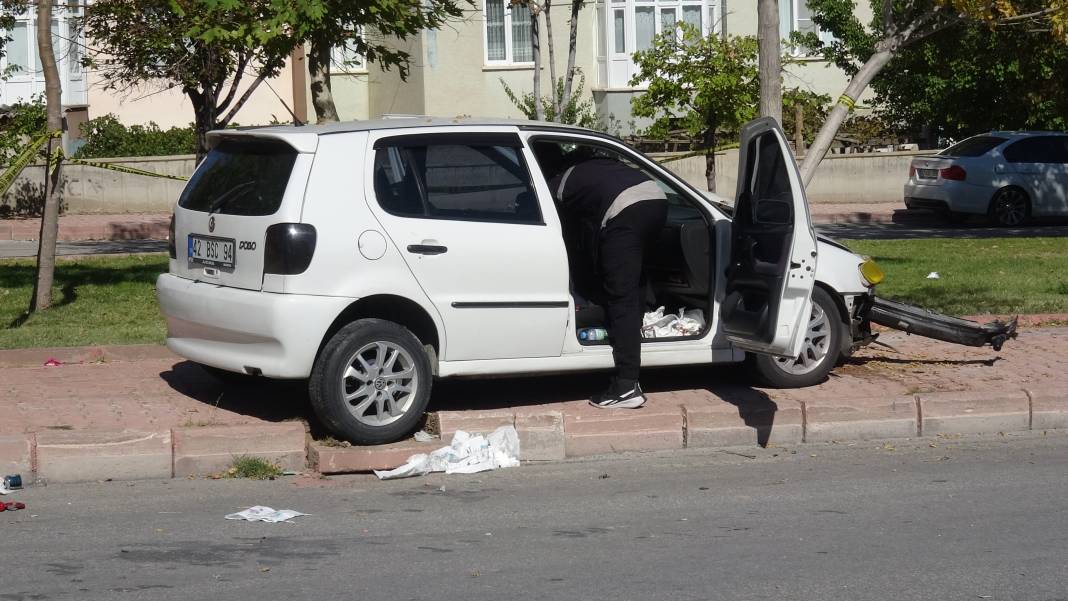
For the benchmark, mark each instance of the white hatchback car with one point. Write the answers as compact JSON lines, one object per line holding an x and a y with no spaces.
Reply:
{"x":1009,"y":177}
{"x":372,"y":257}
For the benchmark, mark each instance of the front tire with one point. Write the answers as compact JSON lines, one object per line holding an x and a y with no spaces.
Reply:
{"x":824,"y":339}
{"x":371,"y":384}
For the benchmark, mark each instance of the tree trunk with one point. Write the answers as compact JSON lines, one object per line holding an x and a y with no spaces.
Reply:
{"x":799,"y":130}
{"x":710,"y":158}
{"x":46,"y":252}
{"x":841,"y":110}
{"x":572,"y":46}
{"x":547,"y":9}
{"x":535,"y":34}
{"x":770,"y":51}
{"x":205,"y":116}
{"x":319,"y":74}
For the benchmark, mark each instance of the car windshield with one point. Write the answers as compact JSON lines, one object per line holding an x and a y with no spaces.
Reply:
{"x":973,"y":147}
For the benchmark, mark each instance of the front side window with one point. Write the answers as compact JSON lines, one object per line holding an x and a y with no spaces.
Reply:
{"x":466,"y":182}
{"x":508,"y":33}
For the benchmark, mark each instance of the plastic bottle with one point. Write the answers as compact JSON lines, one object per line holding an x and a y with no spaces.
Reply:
{"x":592,"y":334}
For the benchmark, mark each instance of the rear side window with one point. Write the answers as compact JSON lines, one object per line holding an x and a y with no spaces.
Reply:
{"x":241,"y":178}
{"x":1043,"y":149}
{"x":472,"y":182}
{"x":973,"y":147}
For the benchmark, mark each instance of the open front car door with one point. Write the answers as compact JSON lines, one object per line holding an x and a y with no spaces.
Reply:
{"x":772,"y":268}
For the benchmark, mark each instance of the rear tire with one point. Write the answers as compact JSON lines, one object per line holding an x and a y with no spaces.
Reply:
{"x":1010,"y":207}
{"x":371,"y":383}
{"x":824,"y":338}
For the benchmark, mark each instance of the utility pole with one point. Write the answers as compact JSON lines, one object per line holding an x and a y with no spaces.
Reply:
{"x":770,"y":62}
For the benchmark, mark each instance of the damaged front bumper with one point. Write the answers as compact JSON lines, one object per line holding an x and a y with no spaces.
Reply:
{"x":922,"y":322}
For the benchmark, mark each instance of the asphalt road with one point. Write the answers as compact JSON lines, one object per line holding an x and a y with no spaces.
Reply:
{"x":942,"y":519}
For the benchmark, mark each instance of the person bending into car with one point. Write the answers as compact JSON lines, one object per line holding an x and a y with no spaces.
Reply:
{"x":620,"y":212}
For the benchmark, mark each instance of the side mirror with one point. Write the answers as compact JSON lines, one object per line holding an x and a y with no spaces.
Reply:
{"x":770,"y":211}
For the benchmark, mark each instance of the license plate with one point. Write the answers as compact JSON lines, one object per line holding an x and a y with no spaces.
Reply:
{"x":927,"y":173}
{"x":211,"y":251}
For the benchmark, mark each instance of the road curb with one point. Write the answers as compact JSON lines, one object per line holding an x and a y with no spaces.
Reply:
{"x":90,"y":455}
{"x":706,"y":421}
{"x":682,"y":419}
{"x":37,"y":356}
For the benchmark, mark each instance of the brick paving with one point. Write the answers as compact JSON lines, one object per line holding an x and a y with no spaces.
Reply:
{"x":161,"y":390}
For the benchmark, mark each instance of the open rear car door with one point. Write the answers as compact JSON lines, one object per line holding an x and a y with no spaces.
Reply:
{"x":772,"y":268}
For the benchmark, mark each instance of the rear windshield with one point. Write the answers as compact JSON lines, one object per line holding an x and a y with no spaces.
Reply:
{"x":241,"y":178}
{"x":973,"y":147}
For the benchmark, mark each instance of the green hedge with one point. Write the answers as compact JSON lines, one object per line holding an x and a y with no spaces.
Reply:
{"x":105,"y":136}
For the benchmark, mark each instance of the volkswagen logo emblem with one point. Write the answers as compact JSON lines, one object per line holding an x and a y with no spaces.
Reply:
{"x":211,"y":224}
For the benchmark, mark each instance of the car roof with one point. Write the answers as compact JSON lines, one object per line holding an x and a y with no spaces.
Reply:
{"x":408,"y":121}
{"x":303,"y":137}
{"x":1024,"y":134}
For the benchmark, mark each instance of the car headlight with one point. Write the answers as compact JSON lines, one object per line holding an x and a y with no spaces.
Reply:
{"x":872,"y":273}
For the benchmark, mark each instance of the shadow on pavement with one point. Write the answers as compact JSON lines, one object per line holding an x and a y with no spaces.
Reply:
{"x":282,"y":400}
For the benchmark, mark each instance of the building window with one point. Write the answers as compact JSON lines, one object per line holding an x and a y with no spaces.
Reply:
{"x":21,"y":74}
{"x":346,"y":59}
{"x":633,"y":24}
{"x":797,"y":17}
{"x":508,"y":33}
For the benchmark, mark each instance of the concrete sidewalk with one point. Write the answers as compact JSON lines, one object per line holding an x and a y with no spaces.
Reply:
{"x":140,"y":412}
{"x":153,"y":226}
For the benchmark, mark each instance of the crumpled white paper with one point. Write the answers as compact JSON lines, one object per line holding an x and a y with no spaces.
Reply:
{"x":934,"y":276}
{"x":3,"y":489}
{"x":466,"y":454}
{"x":684,"y":323}
{"x":260,"y":513}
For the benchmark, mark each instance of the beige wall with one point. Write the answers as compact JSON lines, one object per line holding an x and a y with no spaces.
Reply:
{"x":846,"y":178}
{"x":450,"y":76}
{"x":171,"y":107}
{"x":852,"y":178}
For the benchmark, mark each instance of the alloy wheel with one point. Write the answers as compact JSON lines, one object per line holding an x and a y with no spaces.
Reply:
{"x":816,"y":348}
{"x":1010,"y":207}
{"x":380,"y":383}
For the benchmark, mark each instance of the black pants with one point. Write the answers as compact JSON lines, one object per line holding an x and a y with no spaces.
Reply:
{"x":624,"y":243}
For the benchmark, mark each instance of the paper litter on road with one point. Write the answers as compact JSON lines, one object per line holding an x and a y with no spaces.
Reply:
{"x":466,"y":454}
{"x":934,"y":276}
{"x":3,"y":489}
{"x":423,"y":436}
{"x":260,"y":513}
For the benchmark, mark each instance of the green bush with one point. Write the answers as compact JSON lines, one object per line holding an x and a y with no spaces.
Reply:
{"x":24,"y":121}
{"x":107,"y":137}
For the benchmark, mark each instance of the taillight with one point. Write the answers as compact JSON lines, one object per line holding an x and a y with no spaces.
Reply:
{"x":954,"y":172}
{"x":912,"y":171}
{"x":170,"y":239}
{"x":288,"y":248}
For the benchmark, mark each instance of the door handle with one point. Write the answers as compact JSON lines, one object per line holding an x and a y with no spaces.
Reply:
{"x":427,"y":249}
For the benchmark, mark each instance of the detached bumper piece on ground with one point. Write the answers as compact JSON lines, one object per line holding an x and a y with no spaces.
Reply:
{"x":922,"y":322}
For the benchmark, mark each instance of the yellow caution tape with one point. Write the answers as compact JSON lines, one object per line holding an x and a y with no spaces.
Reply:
{"x":125,"y":169}
{"x":29,"y":153}
{"x":25,"y":156}
{"x":847,"y":101}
